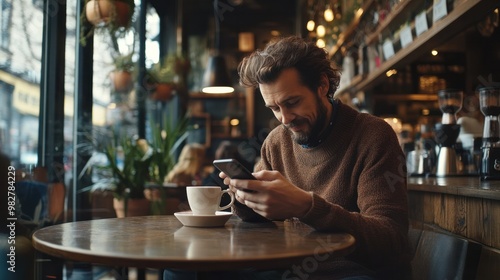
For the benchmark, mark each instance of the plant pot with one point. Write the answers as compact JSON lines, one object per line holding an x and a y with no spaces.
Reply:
{"x":153,"y":194}
{"x":163,"y":92}
{"x":102,"y":204}
{"x":103,"y":11}
{"x":122,"y":80}
{"x":135,"y":207}
{"x":168,"y":201}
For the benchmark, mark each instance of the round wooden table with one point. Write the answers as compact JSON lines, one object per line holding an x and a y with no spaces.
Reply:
{"x":163,"y":242}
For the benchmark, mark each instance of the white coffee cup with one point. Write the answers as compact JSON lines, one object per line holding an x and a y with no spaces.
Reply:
{"x":205,"y":200}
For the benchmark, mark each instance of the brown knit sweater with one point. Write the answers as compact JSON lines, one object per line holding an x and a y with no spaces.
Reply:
{"x":358,"y":177}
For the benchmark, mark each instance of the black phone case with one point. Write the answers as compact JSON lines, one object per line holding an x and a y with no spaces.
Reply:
{"x":233,"y":168}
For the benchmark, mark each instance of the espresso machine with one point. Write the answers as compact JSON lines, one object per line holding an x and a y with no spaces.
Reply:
{"x":489,"y":102}
{"x":446,"y":132}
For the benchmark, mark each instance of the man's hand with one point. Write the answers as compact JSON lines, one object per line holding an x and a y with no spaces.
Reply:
{"x":271,"y":195}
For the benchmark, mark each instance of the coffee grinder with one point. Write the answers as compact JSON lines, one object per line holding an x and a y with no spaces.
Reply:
{"x":489,"y":101}
{"x":450,"y":102}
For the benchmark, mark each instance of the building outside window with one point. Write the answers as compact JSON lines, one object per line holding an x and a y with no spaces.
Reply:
{"x":20,"y":65}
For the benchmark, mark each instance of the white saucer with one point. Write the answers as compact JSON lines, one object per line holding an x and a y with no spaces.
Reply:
{"x":188,"y":219}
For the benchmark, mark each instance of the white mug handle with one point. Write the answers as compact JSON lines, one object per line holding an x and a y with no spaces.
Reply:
{"x":231,"y":194}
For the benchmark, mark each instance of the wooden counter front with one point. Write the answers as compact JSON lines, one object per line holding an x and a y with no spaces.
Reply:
{"x":465,"y":206}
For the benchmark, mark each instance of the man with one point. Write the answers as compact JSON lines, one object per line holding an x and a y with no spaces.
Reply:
{"x":327,"y":165}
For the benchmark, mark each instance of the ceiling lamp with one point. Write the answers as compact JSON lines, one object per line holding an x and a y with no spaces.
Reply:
{"x":216,"y":79}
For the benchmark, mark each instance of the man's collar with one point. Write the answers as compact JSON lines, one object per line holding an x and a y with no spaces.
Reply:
{"x":326,"y":132}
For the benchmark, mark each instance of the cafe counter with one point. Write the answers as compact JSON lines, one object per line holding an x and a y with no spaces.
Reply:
{"x":465,"y":206}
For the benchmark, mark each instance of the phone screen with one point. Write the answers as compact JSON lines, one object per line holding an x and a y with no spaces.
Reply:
{"x":234,"y":169}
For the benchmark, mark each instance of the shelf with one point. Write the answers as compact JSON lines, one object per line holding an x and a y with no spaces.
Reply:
{"x":351,"y":29}
{"x":396,"y":15}
{"x":461,"y":17}
{"x":421,"y":97}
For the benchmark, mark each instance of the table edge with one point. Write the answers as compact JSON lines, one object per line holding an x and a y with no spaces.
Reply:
{"x":200,"y":264}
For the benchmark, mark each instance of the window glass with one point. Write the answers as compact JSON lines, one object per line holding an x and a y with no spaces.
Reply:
{"x":114,"y":79}
{"x":69,"y":88}
{"x":21,"y":40}
{"x":152,"y":35}
{"x":121,"y":109}
{"x":115,"y":105}
{"x":5,"y":18}
{"x":20,"y":65}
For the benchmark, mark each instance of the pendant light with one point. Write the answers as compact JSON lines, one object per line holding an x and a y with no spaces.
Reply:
{"x":216,"y":79}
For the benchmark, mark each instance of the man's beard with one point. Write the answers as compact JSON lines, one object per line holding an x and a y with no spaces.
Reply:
{"x":311,"y":137}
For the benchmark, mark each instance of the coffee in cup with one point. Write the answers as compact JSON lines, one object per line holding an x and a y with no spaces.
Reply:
{"x":205,"y":200}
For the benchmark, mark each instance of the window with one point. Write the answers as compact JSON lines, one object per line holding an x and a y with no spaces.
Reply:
{"x":20,"y":80}
{"x":38,"y":4}
{"x":5,"y":23}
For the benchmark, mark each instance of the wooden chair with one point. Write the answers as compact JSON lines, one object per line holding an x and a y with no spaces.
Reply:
{"x":441,"y":256}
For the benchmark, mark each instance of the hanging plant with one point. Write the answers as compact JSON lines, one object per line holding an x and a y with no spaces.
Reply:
{"x":122,"y":76}
{"x":166,"y":76}
{"x":114,"y":16}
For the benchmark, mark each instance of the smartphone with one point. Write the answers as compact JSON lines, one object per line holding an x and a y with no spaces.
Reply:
{"x":233,"y":169}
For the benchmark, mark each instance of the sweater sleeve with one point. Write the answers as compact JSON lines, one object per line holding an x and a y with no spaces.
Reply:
{"x":379,"y":180}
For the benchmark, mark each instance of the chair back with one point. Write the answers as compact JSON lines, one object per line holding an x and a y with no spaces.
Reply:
{"x":41,"y":202}
{"x":441,"y":256}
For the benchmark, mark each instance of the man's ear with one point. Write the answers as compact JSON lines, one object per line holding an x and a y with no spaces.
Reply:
{"x":324,"y":85}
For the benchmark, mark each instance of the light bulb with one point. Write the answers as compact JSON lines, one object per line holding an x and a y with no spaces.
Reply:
{"x":321,"y":31}
{"x":311,"y":25}
{"x":234,"y":122}
{"x":320,"y":43}
{"x":391,"y":72}
{"x":328,"y":14}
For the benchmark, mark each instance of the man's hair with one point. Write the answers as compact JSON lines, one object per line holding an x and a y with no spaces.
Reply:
{"x":310,"y":61}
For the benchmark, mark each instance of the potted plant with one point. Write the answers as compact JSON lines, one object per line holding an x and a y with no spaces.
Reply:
{"x":127,"y":165}
{"x":165,"y":140}
{"x":115,"y":16}
{"x":123,"y":72}
{"x":167,"y":76}
{"x":129,"y":162}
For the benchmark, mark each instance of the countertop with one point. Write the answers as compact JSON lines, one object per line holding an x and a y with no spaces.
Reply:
{"x":470,"y":186}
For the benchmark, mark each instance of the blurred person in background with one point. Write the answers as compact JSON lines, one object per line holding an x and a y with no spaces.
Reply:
{"x":189,"y":167}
